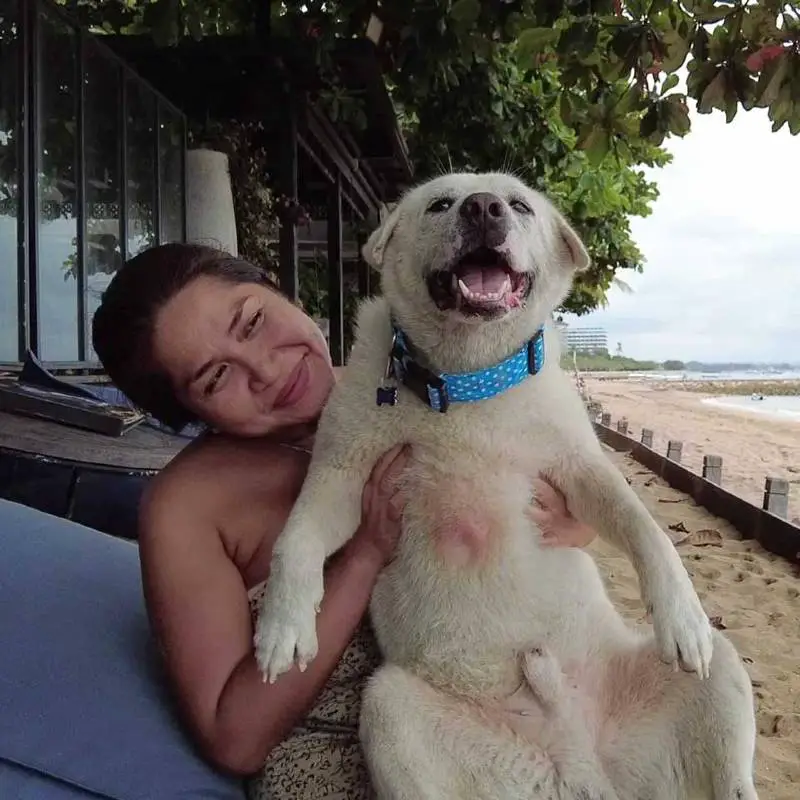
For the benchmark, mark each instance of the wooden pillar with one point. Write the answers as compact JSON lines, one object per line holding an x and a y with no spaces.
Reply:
{"x":605,"y":419}
{"x":287,"y":238}
{"x":712,"y":469}
{"x":776,"y":497}
{"x":647,"y":437}
{"x":674,"y":451}
{"x":335,"y":270}
{"x":622,"y":426}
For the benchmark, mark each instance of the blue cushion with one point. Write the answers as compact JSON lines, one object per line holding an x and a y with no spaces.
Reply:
{"x":84,"y":707}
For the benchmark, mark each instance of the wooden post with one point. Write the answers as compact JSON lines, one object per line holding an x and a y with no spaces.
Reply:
{"x":335,"y":271}
{"x":622,"y":426}
{"x":674,"y":451}
{"x":712,"y":469}
{"x":647,"y":437}
{"x":776,"y":497}
{"x":606,"y":419}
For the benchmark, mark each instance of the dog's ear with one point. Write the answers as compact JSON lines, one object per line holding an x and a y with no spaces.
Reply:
{"x":375,"y":247}
{"x":575,"y":252}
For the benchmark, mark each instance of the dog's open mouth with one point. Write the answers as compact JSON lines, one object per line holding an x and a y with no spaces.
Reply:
{"x":481,"y":283}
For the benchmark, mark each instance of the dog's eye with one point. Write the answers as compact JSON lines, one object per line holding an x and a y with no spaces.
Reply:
{"x":441,"y":205}
{"x":520,"y":207}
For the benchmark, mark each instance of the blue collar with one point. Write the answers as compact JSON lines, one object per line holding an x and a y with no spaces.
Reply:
{"x":439,"y":390}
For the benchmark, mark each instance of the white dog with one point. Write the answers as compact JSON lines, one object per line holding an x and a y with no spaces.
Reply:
{"x":509,"y":673}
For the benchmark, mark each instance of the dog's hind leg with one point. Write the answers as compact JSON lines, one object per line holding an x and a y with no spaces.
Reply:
{"x":735,"y":725}
{"x":724,"y":717}
{"x":421,"y":744}
{"x":669,"y":735}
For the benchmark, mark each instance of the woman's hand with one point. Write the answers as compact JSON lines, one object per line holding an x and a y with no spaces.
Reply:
{"x":382,"y":505}
{"x":559,"y":528}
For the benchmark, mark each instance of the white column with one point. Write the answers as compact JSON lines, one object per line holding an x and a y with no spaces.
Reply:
{"x":210,"y":218}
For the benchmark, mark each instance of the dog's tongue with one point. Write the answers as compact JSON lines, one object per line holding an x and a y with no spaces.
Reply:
{"x":482,"y":281}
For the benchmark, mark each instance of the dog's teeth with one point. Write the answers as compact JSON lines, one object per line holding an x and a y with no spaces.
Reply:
{"x":465,"y":290}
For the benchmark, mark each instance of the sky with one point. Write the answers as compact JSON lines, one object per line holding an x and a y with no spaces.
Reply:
{"x":721,"y":280}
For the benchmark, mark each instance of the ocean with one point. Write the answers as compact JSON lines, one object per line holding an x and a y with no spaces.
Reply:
{"x":779,"y":407}
{"x":750,"y":375}
{"x":784,"y":407}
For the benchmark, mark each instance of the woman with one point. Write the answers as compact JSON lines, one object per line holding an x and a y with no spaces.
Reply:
{"x":191,"y":334}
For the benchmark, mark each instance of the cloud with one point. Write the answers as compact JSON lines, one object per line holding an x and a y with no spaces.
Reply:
{"x":722,"y":278}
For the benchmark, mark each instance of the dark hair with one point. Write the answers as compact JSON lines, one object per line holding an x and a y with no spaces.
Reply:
{"x":122,"y":328}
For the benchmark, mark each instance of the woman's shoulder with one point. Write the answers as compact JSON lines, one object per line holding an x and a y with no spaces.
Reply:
{"x":216,"y":471}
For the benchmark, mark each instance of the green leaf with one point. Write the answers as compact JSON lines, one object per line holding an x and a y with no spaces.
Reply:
{"x":649,"y":124}
{"x":565,"y":109}
{"x":638,"y":8}
{"x":677,"y":49}
{"x":596,"y":145}
{"x":533,"y":41}
{"x":768,"y":88}
{"x":670,"y":82}
{"x":700,"y":44}
{"x":579,"y":39}
{"x":630,"y":100}
{"x":676,"y":114}
{"x":714,"y":14}
{"x":657,"y":6}
{"x":794,"y":122}
{"x":714,"y":94}
{"x":466,"y":11}
{"x":731,"y":107}
{"x":625,"y":41}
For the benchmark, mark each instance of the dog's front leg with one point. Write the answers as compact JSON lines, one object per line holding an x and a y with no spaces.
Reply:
{"x":599,"y":495}
{"x":325,"y":516}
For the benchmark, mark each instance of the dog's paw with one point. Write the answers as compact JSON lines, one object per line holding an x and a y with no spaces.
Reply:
{"x":286,"y":631}
{"x":682,"y":629}
{"x":543,"y":673}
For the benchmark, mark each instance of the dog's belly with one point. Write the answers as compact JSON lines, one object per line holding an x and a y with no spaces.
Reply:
{"x":470,"y":587}
{"x":466,"y":526}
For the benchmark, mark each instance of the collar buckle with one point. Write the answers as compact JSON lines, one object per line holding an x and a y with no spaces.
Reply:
{"x":427,"y":385}
{"x":535,"y":352}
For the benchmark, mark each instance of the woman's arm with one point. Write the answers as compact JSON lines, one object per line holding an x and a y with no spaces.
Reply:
{"x":199,"y":609}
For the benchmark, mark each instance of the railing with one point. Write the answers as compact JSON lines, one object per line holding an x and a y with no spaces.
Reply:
{"x":768,"y":525}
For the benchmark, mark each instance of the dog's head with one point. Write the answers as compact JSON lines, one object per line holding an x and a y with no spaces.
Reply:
{"x":472,"y":252}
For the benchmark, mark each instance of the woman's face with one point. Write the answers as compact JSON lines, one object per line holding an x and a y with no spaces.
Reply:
{"x":242,"y":357}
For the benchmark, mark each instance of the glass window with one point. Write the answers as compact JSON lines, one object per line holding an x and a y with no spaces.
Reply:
{"x":57,"y":278}
{"x":10,"y":47}
{"x":102,"y":156}
{"x":170,"y":144}
{"x":140,"y":159}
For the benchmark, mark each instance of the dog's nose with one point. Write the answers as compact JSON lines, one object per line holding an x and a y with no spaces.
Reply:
{"x":482,"y":207}
{"x":486,"y":213}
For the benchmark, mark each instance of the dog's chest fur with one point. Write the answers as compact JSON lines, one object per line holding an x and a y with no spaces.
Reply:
{"x":470,"y":576}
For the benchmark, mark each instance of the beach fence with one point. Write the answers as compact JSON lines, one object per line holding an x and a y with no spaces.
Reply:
{"x":769,"y":524}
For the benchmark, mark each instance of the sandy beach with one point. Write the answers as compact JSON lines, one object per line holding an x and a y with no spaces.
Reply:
{"x":755,"y":596}
{"x":752,"y":446}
